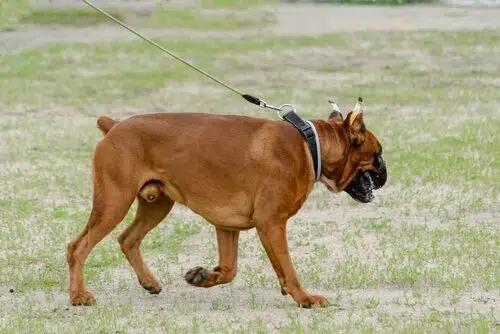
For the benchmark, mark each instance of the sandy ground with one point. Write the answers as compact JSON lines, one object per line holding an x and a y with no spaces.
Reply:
{"x":313,"y":20}
{"x":303,"y":19}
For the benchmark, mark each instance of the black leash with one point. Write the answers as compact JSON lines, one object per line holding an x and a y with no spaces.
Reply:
{"x":307,"y":129}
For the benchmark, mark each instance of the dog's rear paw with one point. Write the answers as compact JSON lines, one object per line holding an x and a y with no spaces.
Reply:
{"x":196,"y":276}
{"x":84,"y":298}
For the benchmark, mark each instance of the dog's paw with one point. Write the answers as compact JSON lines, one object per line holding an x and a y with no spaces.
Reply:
{"x":196,"y":276}
{"x":84,"y":298}
{"x":153,"y":287}
{"x":314,"y":301}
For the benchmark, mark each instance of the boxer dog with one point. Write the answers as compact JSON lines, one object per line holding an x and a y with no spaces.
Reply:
{"x":237,"y":172}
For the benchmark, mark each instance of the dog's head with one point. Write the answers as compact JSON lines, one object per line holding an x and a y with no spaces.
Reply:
{"x":356,"y":166}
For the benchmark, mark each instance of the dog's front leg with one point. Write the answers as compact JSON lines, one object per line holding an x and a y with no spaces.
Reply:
{"x":227,"y":242}
{"x":273,"y":238}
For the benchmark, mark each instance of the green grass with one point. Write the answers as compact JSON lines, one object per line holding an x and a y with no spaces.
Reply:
{"x":79,"y":17}
{"x":404,"y":255}
{"x":196,"y":20}
{"x":436,"y":161}
{"x":134,"y":70}
{"x":158,"y":17}
{"x":11,"y":11}
{"x":108,"y":319}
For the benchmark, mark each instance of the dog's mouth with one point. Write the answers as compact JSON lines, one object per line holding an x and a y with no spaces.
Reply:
{"x":361,"y":188}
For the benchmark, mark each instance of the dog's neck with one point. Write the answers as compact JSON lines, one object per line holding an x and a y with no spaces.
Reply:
{"x":333,"y":157}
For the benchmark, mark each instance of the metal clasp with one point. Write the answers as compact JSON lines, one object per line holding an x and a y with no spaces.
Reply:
{"x":263,"y":104}
{"x":283,"y":106}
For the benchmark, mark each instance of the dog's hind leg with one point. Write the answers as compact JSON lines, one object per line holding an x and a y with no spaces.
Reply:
{"x":227,"y":242}
{"x":148,"y":216}
{"x":111,"y":202}
{"x":103,"y":219}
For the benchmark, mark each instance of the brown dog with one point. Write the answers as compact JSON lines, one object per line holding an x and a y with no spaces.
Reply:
{"x":237,"y":172}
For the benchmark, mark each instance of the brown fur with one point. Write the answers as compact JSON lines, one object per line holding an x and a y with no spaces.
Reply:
{"x":105,"y":124}
{"x":237,"y":172}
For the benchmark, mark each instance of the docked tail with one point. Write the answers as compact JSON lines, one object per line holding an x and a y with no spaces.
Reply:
{"x":105,"y":124}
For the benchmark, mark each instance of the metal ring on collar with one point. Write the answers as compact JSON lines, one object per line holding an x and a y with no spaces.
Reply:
{"x":282,"y":107}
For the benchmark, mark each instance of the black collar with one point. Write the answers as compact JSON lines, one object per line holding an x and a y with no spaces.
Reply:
{"x":308,"y":131}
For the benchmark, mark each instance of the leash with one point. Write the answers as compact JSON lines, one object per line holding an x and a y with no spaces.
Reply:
{"x":307,"y":129}
{"x":250,"y":98}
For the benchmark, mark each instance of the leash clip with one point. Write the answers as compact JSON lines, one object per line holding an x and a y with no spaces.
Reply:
{"x":264,"y":104}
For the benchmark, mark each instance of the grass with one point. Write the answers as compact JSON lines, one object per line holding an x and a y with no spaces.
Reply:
{"x":135,"y":69}
{"x":192,"y":19}
{"x":416,"y":256}
{"x":108,"y":320}
{"x":11,"y":12}
{"x":157,"y":17}
{"x":79,"y":17}
{"x":422,"y":258}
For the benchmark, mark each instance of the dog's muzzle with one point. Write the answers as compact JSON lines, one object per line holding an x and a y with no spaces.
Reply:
{"x":361,"y":188}
{"x":380,"y":176}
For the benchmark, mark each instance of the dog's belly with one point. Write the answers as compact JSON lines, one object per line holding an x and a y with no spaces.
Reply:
{"x":230,"y":212}
{"x":225,"y":217}
{"x":234,"y":223}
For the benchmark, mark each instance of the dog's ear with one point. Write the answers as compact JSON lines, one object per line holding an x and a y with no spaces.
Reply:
{"x":354,"y":124}
{"x":336,"y":116}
